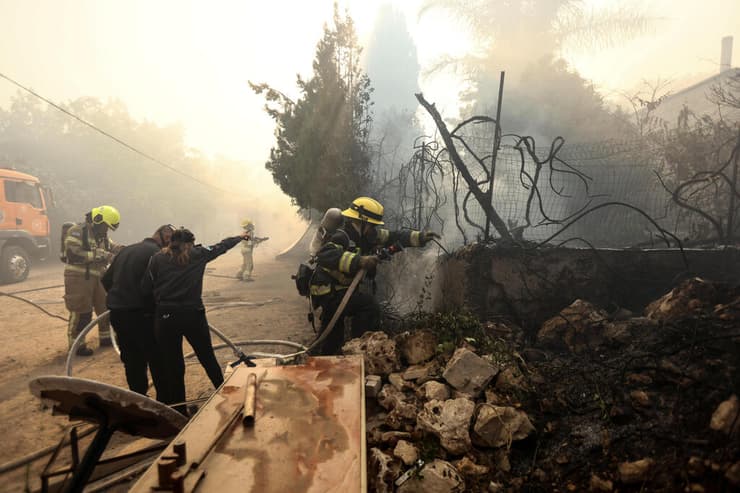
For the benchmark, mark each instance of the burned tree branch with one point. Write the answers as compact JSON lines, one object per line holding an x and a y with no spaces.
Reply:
{"x":491,"y":214}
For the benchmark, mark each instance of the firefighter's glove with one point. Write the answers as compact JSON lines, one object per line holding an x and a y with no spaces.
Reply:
{"x":102,"y":256}
{"x":369,"y":263}
{"x":427,"y":236}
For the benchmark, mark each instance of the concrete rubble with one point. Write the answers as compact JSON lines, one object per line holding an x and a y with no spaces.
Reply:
{"x":605,"y":401}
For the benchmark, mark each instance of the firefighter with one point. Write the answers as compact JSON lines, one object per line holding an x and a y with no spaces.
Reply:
{"x":132,"y":312}
{"x":175,"y":278}
{"x":349,"y":248}
{"x":87,"y":252}
{"x":245,"y":272}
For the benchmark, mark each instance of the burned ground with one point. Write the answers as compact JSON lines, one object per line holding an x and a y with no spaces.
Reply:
{"x":617,"y":403}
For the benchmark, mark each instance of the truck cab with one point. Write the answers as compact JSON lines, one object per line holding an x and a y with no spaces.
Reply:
{"x":24,"y":224}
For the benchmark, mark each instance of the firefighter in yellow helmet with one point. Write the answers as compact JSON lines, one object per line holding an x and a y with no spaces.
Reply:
{"x":350,"y":247}
{"x":87,"y":251}
{"x":247,"y":247}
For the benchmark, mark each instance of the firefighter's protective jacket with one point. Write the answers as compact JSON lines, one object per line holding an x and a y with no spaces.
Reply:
{"x":339,"y":259}
{"x":85,"y":253}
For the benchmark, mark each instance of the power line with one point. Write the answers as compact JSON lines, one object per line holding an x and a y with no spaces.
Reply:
{"x":112,"y":137}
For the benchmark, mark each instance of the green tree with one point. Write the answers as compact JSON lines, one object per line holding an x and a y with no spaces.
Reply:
{"x":320,"y":158}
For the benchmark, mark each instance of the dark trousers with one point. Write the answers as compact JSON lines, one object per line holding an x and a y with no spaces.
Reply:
{"x":135,"y":336}
{"x":363,"y":309}
{"x":169,"y":329}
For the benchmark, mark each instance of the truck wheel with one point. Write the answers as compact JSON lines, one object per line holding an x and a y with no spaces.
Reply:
{"x":14,"y":264}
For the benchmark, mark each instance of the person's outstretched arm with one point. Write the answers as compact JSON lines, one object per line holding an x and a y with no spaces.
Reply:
{"x":223,"y":246}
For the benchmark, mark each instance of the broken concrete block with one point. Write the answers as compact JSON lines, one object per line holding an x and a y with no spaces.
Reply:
{"x":382,"y":471}
{"x":498,"y":426}
{"x":436,"y":477}
{"x":449,"y":421}
{"x":635,"y":472}
{"x":468,"y":372}
{"x":434,"y":391}
{"x":417,"y":347}
{"x":725,"y":417}
{"x":406,"y":451}
{"x":577,"y":327}
{"x":373,"y":384}
{"x":598,"y":484}
{"x":380,"y":353}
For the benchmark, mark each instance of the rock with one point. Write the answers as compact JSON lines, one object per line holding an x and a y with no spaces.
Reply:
{"x":469,"y":468}
{"x":468,"y":372}
{"x":396,"y":379}
{"x":695,"y":467}
{"x":733,"y":474}
{"x":635,"y":472}
{"x":688,"y":298}
{"x":391,"y":437}
{"x":380,"y":353}
{"x":598,"y":484}
{"x":725,"y":417}
{"x":534,"y":355}
{"x":373,"y":384}
{"x":511,"y":379}
{"x":382,"y":471}
{"x":417,"y":347}
{"x":406,"y":451}
{"x":498,"y":426}
{"x":577,"y":327}
{"x":450,"y":421}
{"x":436,"y":477}
{"x":402,"y":407}
{"x":640,"y":398}
{"x":618,"y":332}
{"x":494,"y":487}
{"x":421,"y":372}
{"x":539,"y":475}
{"x":501,"y":459}
{"x":434,"y":391}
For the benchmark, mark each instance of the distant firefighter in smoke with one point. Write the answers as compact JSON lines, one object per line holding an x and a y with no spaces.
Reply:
{"x":248,"y":245}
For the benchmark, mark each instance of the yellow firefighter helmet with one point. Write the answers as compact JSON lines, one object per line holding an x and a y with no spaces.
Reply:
{"x":248,"y":225}
{"x":107,"y":215}
{"x":365,"y":209}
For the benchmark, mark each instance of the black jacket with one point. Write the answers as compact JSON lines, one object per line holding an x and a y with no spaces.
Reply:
{"x":339,"y":259}
{"x":177,"y":287}
{"x":122,"y":280}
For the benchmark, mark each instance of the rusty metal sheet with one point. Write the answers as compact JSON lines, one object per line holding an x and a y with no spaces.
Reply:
{"x":308,"y":433}
{"x":124,"y":410}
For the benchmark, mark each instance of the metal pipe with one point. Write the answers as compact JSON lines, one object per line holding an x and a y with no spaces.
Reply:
{"x":250,"y":400}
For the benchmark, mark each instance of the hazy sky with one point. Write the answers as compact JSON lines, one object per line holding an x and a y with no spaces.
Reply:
{"x":189,"y":61}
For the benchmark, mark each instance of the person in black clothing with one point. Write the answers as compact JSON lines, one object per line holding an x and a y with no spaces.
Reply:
{"x":132,"y":312}
{"x":175,"y":276}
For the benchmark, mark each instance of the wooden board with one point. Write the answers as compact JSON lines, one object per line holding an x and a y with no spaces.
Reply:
{"x":308,"y":433}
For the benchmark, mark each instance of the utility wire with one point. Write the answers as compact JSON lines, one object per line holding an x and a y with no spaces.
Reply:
{"x":112,"y":137}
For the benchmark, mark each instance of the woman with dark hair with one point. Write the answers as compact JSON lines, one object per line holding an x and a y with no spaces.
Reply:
{"x":175,"y":277}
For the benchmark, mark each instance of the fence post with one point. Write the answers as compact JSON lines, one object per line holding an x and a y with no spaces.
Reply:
{"x":494,"y":153}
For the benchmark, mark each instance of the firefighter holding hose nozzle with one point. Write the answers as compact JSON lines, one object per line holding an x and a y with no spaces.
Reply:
{"x":350,"y":244}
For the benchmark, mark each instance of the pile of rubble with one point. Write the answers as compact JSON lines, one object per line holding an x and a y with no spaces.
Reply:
{"x":597,"y":402}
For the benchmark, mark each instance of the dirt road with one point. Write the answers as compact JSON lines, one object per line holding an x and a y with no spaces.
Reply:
{"x":34,"y":343}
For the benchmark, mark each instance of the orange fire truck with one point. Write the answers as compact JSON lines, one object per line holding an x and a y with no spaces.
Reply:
{"x":24,"y":224}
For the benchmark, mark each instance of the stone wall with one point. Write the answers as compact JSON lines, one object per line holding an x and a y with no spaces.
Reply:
{"x":530,"y":285}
